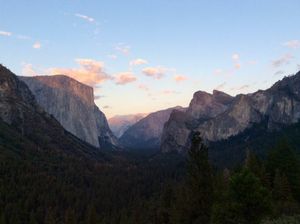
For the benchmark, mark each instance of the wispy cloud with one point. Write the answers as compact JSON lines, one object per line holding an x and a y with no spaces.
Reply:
{"x":243,"y":87}
{"x":169,"y":92}
{"x":123,"y":48}
{"x":91,"y":72}
{"x":98,"y":97}
{"x":106,"y":107}
{"x":37,"y":45}
{"x":138,"y":61}
{"x":23,"y":37}
{"x":154,"y":72}
{"x":280,"y":72}
{"x":221,"y":86}
{"x":125,"y":78}
{"x":143,"y":87}
{"x":283,"y":60}
{"x":292,"y":44}
{"x":5,"y":33}
{"x":112,"y":56}
{"x":218,"y":71}
{"x":85,"y":17}
{"x":180,"y":78}
{"x":235,"y":57}
{"x":28,"y":70}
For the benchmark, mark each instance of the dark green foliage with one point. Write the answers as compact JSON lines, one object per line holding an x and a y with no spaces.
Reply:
{"x":42,"y":184}
{"x":247,"y":201}
{"x":196,"y":195}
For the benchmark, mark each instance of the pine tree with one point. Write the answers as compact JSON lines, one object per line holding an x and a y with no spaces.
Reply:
{"x":91,"y":215}
{"x":284,"y":159}
{"x":70,"y":216}
{"x":248,"y":197}
{"x":282,"y":194}
{"x":194,"y":203}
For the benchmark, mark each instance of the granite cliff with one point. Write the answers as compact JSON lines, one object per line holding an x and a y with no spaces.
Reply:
{"x":20,"y":113}
{"x":72,"y":104}
{"x":219,"y":118}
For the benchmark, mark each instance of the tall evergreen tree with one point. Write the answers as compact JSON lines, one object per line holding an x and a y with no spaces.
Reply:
{"x":196,"y":197}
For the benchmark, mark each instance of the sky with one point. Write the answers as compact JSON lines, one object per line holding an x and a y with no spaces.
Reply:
{"x":141,"y":56}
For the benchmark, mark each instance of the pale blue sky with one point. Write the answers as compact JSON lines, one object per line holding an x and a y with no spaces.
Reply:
{"x":232,"y":45}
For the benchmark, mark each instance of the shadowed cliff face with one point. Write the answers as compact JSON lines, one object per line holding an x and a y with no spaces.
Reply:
{"x":218,"y":116}
{"x":120,"y":123}
{"x":19,"y":109}
{"x":146,"y":133}
{"x":72,"y":104}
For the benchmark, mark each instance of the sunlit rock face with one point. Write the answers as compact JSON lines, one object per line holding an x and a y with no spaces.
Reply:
{"x":202,"y":108}
{"x":219,"y":116}
{"x":147,"y":132}
{"x":72,"y":104}
{"x":121,"y":123}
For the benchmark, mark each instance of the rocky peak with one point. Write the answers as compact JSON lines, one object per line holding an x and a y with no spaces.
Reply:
{"x":222,"y":97}
{"x":205,"y":105}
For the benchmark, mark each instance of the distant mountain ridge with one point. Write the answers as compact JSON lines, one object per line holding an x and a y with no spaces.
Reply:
{"x":146,"y":133}
{"x":72,"y":104}
{"x":219,"y":118}
{"x":120,"y":123}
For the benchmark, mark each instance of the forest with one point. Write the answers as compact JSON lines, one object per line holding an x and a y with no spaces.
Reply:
{"x":47,"y":186}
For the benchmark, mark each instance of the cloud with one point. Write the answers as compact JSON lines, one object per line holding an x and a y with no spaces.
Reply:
{"x":237,"y":65}
{"x":169,"y":92}
{"x":143,"y":87}
{"x":28,"y":70}
{"x":180,"y":78}
{"x":298,"y":66}
{"x":124,"y":78}
{"x":37,"y":45}
{"x":235,"y":57}
{"x":283,"y":60}
{"x":106,"y":107}
{"x":292,"y":44}
{"x":23,"y":37}
{"x":84,"y":17}
{"x":221,"y":86}
{"x":280,"y":72}
{"x":138,"y":61}
{"x":218,"y":71}
{"x":112,"y":56}
{"x":91,"y":72}
{"x":98,"y":97}
{"x":243,"y":87}
{"x":123,"y":48}
{"x":154,"y":72}
{"x":5,"y":33}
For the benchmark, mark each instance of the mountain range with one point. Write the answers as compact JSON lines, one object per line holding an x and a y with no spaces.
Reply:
{"x":120,"y":123}
{"x":219,"y":116}
{"x":69,"y":105}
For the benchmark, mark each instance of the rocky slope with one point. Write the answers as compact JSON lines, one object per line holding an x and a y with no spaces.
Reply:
{"x":20,"y":111}
{"x":146,"y":133}
{"x":120,"y":123}
{"x":279,"y":105}
{"x":72,"y":104}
